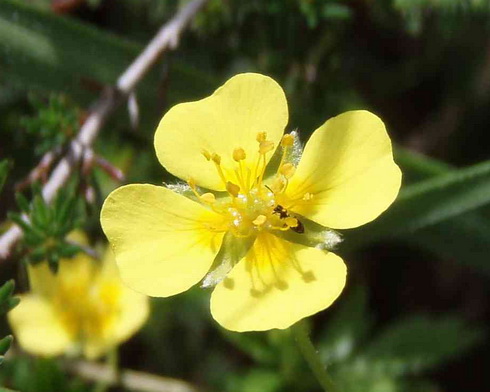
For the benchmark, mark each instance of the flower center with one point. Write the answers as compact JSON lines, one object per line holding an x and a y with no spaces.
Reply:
{"x":88,"y":309}
{"x":253,"y":205}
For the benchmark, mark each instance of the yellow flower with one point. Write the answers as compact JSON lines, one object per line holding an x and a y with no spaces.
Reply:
{"x":254,"y":212}
{"x":84,"y":308}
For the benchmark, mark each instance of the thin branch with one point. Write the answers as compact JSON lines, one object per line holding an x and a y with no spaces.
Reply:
{"x":166,"y":39}
{"x":130,"y":380}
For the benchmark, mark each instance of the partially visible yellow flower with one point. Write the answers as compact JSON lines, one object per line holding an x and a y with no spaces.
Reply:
{"x":265,"y":233}
{"x":84,"y":308}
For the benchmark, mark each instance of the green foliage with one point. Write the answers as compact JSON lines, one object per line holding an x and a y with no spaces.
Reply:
{"x":44,"y":52}
{"x":48,"y":225}
{"x":54,"y":123}
{"x":7,"y":302}
{"x":360,"y":357}
{"x":431,"y":201}
{"x":39,"y":375}
{"x":380,"y":362}
{"x":418,"y":343}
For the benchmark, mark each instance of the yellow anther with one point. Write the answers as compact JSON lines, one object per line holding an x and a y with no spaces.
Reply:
{"x":192,"y":183}
{"x":208,"y":198}
{"x":307,"y":196}
{"x":216,"y":158}
{"x":232,"y":189}
{"x":287,"y":170}
{"x":291,"y":222}
{"x":261,"y":136}
{"x":278,"y":184}
{"x":206,"y":154}
{"x":239,"y":154}
{"x":287,"y":140}
{"x":260,"y":220}
{"x":266,"y":146}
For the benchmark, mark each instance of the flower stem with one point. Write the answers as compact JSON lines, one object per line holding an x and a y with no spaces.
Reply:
{"x":300,"y":332}
{"x":112,"y":360}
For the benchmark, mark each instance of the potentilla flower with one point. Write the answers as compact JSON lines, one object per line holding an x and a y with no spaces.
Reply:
{"x":83,"y":309}
{"x":256,"y":214}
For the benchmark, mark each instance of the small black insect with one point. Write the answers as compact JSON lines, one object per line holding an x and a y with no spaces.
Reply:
{"x":283,"y":214}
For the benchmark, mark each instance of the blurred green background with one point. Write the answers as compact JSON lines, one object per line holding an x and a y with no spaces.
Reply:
{"x":414,"y":316}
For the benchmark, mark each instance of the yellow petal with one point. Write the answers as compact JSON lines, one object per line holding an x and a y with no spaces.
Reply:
{"x":37,"y":328}
{"x":229,"y":119}
{"x":163,"y":242}
{"x":277,"y":284}
{"x":132,"y":314}
{"x":133,"y":307}
{"x":347,"y":167}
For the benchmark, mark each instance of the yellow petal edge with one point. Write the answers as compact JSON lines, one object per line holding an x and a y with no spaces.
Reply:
{"x":348,"y":167}
{"x":277,"y":284}
{"x":163,"y":242}
{"x":245,"y":105}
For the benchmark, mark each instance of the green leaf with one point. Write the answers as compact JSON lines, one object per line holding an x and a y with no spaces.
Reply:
{"x":22,"y":202}
{"x":430,"y":202}
{"x":252,"y":344}
{"x":7,"y":302}
{"x":54,"y":53}
{"x":5,"y":345}
{"x":464,"y":239}
{"x":6,"y":290}
{"x":418,"y":343}
{"x":347,"y":327}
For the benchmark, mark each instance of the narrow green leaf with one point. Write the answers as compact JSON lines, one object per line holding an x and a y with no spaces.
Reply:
{"x":40,"y":212}
{"x":430,"y":202}
{"x":22,"y":202}
{"x":55,"y":53}
{"x":6,"y":290}
{"x":418,"y":343}
{"x":5,"y":344}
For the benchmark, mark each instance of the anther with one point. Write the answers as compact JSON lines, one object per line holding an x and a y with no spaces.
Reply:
{"x":266,"y":146}
{"x":208,"y":198}
{"x":216,"y":159}
{"x":232,"y":189}
{"x":239,"y":154}
{"x":261,"y":137}
{"x":206,"y":154}
{"x":260,"y":220}
{"x":287,"y":140}
{"x":192,"y":183}
{"x":287,"y":170}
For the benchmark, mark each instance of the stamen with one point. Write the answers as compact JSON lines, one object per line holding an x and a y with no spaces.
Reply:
{"x":261,"y":136}
{"x":206,"y":154}
{"x":260,"y":220}
{"x":287,"y":140}
{"x":265,"y":146}
{"x":216,"y":159}
{"x":287,"y":170}
{"x":192,"y":185}
{"x":232,"y":189}
{"x":208,"y":198}
{"x":217,"y":162}
{"x":239,"y":154}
